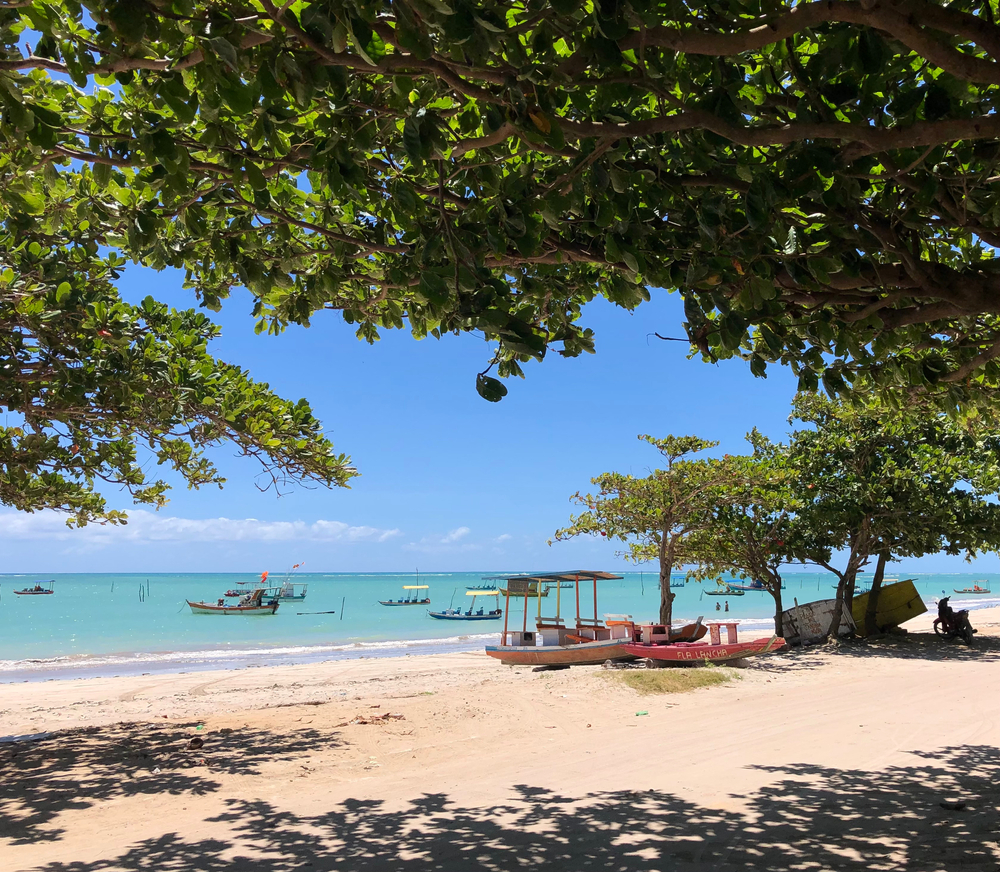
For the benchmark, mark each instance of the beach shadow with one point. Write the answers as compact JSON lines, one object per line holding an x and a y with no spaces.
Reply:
{"x":808,"y":817}
{"x":921,"y":646}
{"x":73,"y":769}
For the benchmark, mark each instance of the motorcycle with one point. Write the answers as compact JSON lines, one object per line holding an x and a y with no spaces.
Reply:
{"x":952,"y":624}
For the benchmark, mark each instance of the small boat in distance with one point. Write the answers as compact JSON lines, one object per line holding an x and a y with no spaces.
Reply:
{"x":37,"y":590}
{"x":249,"y":604}
{"x":412,"y":598}
{"x":975,"y":589}
{"x":471,"y":614}
{"x":750,"y":585}
{"x":727,"y":591}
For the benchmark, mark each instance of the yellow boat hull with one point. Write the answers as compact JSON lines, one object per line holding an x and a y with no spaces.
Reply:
{"x":897,"y":603}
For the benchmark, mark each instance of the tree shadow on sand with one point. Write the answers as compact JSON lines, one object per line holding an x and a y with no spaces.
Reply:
{"x":807,"y":818}
{"x":73,"y":769}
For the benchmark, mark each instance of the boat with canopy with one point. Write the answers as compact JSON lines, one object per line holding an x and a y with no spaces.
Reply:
{"x":413,"y":597}
{"x":39,"y":588}
{"x":976,"y":588}
{"x":286,"y":591}
{"x":471,"y":614}
{"x":551,"y":642}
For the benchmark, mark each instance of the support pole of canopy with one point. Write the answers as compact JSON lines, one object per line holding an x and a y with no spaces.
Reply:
{"x":577,"y":586}
{"x":595,"y":606}
{"x":558,"y":597}
{"x":524,"y":628}
{"x":538,"y":597}
{"x":506,"y":614}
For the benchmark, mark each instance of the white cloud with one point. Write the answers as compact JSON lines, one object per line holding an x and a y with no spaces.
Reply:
{"x":144,"y":526}
{"x":449,"y":542}
{"x":503,"y":537}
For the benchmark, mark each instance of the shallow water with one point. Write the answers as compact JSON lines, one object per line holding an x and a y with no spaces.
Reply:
{"x":97,"y":624}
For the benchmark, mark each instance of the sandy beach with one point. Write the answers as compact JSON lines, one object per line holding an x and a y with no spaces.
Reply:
{"x":825,"y":758}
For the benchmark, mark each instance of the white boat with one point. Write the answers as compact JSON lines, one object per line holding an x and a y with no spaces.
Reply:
{"x":810,"y":622}
{"x":251,"y":604}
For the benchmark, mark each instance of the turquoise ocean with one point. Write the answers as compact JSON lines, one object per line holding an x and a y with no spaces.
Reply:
{"x":117,"y":624}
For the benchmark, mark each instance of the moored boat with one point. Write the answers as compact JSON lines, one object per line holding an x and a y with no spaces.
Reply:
{"x":37,"y":589}
{"x":976,"y":589}
{"x":471,"y":614}
{"x":249,"y":604}
{"x":412,"y":598}
{"x":729,"y":591}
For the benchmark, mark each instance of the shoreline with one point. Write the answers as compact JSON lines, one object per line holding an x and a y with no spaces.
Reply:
{"x":256,"y":655}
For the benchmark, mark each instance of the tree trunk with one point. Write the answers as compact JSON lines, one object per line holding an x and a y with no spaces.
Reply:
{"x":775,"y":590}
{"x":838,"y":610}
{"x":666,"y":595}
{"x":870,"y":626}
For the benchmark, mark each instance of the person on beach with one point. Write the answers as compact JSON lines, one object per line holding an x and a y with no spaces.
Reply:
{"x":718,"y":608}
{"x":727,"y":605}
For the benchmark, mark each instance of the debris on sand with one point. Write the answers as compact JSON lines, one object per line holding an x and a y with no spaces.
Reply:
{"x":374,"y":719}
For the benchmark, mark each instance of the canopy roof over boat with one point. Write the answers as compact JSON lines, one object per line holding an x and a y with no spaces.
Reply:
{"x":572,"y":575}
{"x":415,"y":586}
{"x":482,"y":592}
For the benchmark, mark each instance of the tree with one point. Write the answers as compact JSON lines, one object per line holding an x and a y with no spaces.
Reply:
{"x":819,"y":181}
{"x":872,"y":482}
{"x":98,"y":389}
{"x":754,"y":513}
{"x":655,"y":515}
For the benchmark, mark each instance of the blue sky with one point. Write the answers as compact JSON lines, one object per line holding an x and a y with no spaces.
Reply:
{"x":449,"y":481}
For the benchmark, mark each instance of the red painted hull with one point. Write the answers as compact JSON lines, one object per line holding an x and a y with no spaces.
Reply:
{"x":698,"y":652}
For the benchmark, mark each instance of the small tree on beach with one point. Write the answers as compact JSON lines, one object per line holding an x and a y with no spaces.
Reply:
{"x":751,"y":524}
{"x":656,"y":515}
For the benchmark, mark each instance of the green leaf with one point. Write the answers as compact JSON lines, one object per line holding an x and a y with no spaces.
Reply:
{"x":490,"y":389}
{"x":255,"y":177}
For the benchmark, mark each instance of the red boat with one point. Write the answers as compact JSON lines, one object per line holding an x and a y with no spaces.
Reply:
{"x":703,"y":652}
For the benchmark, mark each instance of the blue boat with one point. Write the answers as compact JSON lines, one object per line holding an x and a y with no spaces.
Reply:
{"x":472,"y":614}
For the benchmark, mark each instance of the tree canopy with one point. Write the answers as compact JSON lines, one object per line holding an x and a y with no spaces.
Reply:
{"x":819,"y":180}
{"x":752,"y":516}
{"x":655,"y":516}
{"x":867,"y":480}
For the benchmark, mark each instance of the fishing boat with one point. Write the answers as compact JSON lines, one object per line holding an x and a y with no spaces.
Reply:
{"x":287,"y":590}
{"x":37,"y":589}
{"x":552,"y":641}
{"x":976,"y":589}
{"x":750,"y":585}
{"x":412,"y":598}
{"x":253,"y":603}
{"x":728,"y":591}
{"x":703,"y":652}
{"x":471,"y":614}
